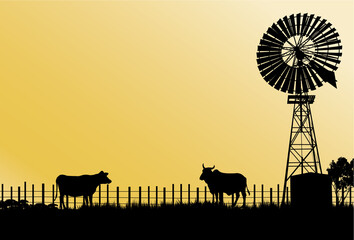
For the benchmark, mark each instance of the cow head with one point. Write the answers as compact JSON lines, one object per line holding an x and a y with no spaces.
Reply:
{"x":102,"y":178}
{"x":206,"y":172}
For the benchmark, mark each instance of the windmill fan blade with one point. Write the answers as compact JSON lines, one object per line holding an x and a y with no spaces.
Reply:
{"x":283,"y":28}
{"x":307,"y":25}
{"x":326,"y":75}
{"x":298,"y":20}
{"x":297,"y":81}
{"x":329,"y":43}
{"x":314,"y":77}
{"x":322,"y":31}
{"x":288,"y":26}
{"x":269,"y":63}
{"x":330,"y":48}
{"x":298,"y":53}
{"x":267,"y":59}
{"x":303,"y":24}
{"x":313,"y":26}
{"x":288,"y":77}
{"x":327,"y":58}
{"x":267,"y":54}
{"x":268,"y":48}
{"x":304,"y":81}
{"x":331,"y":66}
{"x":292,"y":24}
{"x":324,"y":35}
{"x":309,"y":79}
{"x":292,"y":81}
{"x":272,"y":39}
{"x":273,"y":75}
{"x":277,"y":33}
{"x":327,"y":39}
{"x":270,"y":44}
{"x":282,"y":78}
{"x":318,"y":29}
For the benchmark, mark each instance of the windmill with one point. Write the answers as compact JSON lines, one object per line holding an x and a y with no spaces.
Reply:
{"x":296,"y":55}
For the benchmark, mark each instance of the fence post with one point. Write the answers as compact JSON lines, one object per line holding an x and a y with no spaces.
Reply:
{"x":99,"y":195}
{"x":107,"y":194}
{"x":173,"y":194}
{"x":19,"y":194}
{"x":148,"y":195}
{"x":189,"y":194}
{"x":2,"y":192}
{"x":262,"y":194}
{"x":74,"y":202}
{"x":164,"y":195}
{"x":117,"y":196}
{"x":278,"y":194}
{"x":53,"y":190}
{"x":32,"y":194}
{"x":197,"y":201}
{"x":271,"y":196}
{"x":205,"y":194}
{"x":139,"y":196}
{"x":129,"y":190}
{"x":287,"y":195}
{"x":11,"y":192}
{"x":24,"y":191}
{"x":254,"y":194}
{"x":43,"y":194}
{"x":157,"y":196}
{"x":180,"y":193}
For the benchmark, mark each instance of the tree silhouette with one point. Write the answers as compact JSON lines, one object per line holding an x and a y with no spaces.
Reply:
{"x":341,"y":173}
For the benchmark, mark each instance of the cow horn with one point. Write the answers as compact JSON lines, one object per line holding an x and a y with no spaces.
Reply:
{"x":203,"y":166}
{"x":213,"y":167}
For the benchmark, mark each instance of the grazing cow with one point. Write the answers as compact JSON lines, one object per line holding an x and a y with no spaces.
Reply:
{"x":228,"y":183}
{"x":84,"y":185}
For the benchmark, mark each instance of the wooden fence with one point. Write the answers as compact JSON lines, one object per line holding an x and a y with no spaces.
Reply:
{"x":105,"y":194}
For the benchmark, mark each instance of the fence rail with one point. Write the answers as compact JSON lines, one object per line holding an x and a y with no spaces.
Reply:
{"x":147,"y":196}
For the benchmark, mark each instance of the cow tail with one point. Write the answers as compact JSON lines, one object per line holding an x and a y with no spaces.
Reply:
{"x":248,"y":191}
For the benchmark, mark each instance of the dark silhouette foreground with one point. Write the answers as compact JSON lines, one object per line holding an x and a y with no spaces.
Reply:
{"x":181,"y":221}
{"x":75,"y":186}
{"x":228,"y":183}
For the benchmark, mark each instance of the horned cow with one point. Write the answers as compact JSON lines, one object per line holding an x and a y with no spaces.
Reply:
{"x":228,"y":183}
{"x":84,"y":185}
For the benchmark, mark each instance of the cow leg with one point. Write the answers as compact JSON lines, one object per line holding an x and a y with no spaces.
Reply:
{"x":61,"y":201}
{"x":244,"y":198}
{"x":237,"y":197}
{"x":90,"y":198}
{"x":221,"y":197}
{"x":213,"y":197}
{"x":84,"y":201}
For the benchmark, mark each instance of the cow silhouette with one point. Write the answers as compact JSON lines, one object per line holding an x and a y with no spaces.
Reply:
{"x":228,"y":183}
{"x":84,"y":185}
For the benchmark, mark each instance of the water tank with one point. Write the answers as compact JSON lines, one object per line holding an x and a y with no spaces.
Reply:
{"x":311,"y":190}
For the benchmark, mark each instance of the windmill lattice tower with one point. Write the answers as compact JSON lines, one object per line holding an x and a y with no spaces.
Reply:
{"x":296,"y":55}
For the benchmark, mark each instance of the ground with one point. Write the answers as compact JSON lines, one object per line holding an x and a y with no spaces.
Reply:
{"x":182,"y":221}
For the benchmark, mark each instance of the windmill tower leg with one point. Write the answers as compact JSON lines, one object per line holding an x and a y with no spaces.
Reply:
{"x":303,"y":156}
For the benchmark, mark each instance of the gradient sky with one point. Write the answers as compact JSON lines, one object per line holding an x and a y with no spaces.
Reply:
{"x":150,"y":90}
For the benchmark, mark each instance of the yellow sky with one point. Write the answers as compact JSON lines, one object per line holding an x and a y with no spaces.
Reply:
{"x":150,"y":90}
